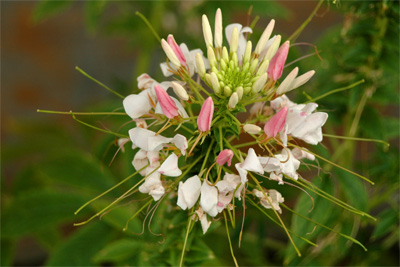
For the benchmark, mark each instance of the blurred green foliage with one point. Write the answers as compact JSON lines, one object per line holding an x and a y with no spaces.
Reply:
{"x":56,"y":169}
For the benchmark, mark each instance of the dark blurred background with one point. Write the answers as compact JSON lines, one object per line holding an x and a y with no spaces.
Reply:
{"x":43,"y":41}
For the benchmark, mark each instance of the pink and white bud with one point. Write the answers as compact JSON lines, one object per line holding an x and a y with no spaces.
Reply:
{"x":286,"y":85}
{"x":251,"y":128}
{"x":177,"y":50}
{"x":170,"y":53}
{"x":218,"y":28}
{"x":264,"y":37}
{"x":278,"y":62}
{"x":276,"y":123}
{"x":206,"y":115}
{"x":208,"y":38}
{"x":225,"y":156}
{"x":180,"y":91}
{"x":167,"y":104}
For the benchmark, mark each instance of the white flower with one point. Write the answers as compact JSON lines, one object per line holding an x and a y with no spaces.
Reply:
{"x":149,"y":141}
{"x":189,"y":192}
{"x":242,"y":40}
{"x":209,"y":199}
{"x":229,"y":184}
{"x":301,"y":122}
{"x":251,"y":163}
{"x":282,"y":163}
{"x":153,"y":185}
{"x":274,"y":197}
{"x":170,"y":166}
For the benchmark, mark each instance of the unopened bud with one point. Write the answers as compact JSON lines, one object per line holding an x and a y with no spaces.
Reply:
{"x":211,"y":56}
{"x":208,"y":38}
{"x":253,"y":65}
{"x":239,"y":91}
{"x":207,"y":77}
{"x":227,"y":91}
{"x":225,"y":55}
{"x":263,"y":67}
{"x":299,"y":81}
{"x":201,"y":69}
{"x":287,"y":82}
{"x":233,"y":100}
{"x":170,"y":53}
{"x":260,"y":83}
{"x":247,"y":52}
{"x":215,"y":83}
{"x":234,"y":40}
{"x":273,"y":48}
{"x":251,"y":129}
{"x":218,"y":28}
{"x":180,"y":91}
{"x":264,"y":37}
{"x":277,"y":63}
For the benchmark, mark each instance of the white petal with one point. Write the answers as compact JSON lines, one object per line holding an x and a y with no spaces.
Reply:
{"x":278,"y":178}
{"x":229,"y":183}
{"x":252,"y":163}
{"x":145,"y":81}
{"x":286,"y":85}
{"x":156,"y":142}
{"x":170,"y":166}
{"x":242,"y":172}
{"x":136,"y":105}
{"x":153,"y":157}
{"x":164,"y":68}
{"x":282,"y":101}
{"x":189,"y":192}
{"x":180,"y":142}
{"x":270,"y":164}
{"x":153,"y":186}
{"x":147,"y":140}
{"x":140,"y":161}
{"x":310,"y":131}
{"x":209,"y":199}
{"x":223,"y":201}
{"x":288,"y":163}
{"x":301,"y":154}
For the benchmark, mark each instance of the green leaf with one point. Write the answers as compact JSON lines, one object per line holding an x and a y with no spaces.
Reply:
{"x":47,"y":8}
{"x":354,"y":189}
{"x":119,"y":250}
{"x":39,"y":210}
{"x":78,"y":170}
{"x":81,"y":247}
{"x":386,"y":220}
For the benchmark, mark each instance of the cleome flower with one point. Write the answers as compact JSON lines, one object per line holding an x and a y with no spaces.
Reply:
{"x":204,"y":120}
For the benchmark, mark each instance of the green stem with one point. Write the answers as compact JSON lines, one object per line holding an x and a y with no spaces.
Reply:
{"x":149,"y":25}
{"x":229,"y":239}
{"x":276,"y":222}
{"x":112,"y":188}
{"x":80,"y":113}
{"x":334,"y":164}
{"x":297,"y":33}
{"x":99,"y":83}
{"x":246,"y":144}
{"x":357,"y":139}
{"x":186,"y":238}
{"x":97,"y":128}
{"x":115,"y":201}
{"x":335,"y":91}
{"x":276,"y":213}
{"x":134,"y":215}
{"x":326,"y":227}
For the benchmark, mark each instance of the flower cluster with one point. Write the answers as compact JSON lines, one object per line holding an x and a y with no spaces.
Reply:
{"x":206,"y":96}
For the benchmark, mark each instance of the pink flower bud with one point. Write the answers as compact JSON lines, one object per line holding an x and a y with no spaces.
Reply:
{"x":276,"y":123}
{"x":168,"y":105}
{"x":224,"y":156}
{"x":177,"y":50}
{"x":275,"y":67}
{"x":205,"y":116}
